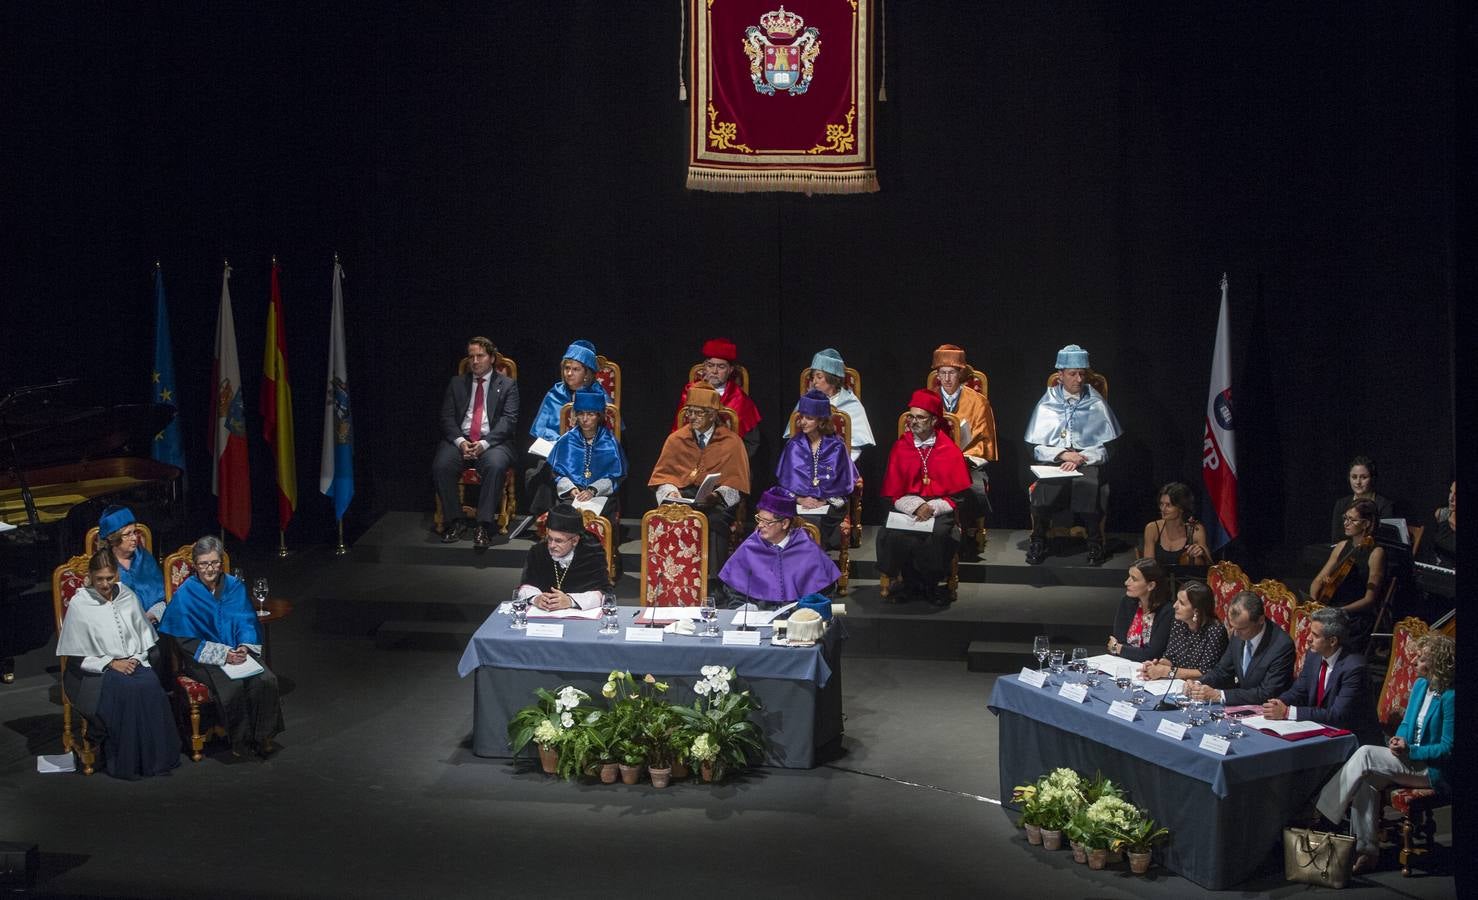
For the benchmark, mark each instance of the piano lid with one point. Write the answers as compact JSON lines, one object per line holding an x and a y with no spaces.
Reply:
{"x":48,"y":432}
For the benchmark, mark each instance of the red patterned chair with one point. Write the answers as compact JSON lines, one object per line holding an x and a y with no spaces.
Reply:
{"x":674,"y":556}
{"x":1302,"y":632}
{"x":178,"y":566}
{"x":852,"y":381}
{"x":608,"y":374}
{"x":146,"y":539}
{"x":851,"y":523}
{"x":1414,"y":805}
{"x":66,"y":580}
{"x":1277,"y":602}
{"x":599,"y":526}
{"x":1226,"y":580}
{"x":470,"y":478}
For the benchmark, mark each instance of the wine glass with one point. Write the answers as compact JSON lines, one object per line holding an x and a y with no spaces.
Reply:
{"x":709,"y":613}
{"x":610,"y":621}
{"x":520,"y":606}
{"x":1079,"y":663}
{"x":1041,"y":646}
{"x":259,"y":592}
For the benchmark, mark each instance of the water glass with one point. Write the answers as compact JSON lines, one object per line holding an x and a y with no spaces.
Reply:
{"x":1041,"y":646}
{"x":1197,"y":716}
{"x":1235,"y":729}
{"x":709,"y":612}
{"x":1055,"y":663}
{"x":1122,"y":683}
{"x":520,"y":613}
{"x":1215,"y":712}
{"x":610,"y":620}
{"x":1079,"y":662}
{"x":1140,"y":696}
{"x":259,"y":593}
{"x":1184,"y":702}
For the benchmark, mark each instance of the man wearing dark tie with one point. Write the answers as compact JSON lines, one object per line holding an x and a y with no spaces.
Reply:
{"x":479,"y":415}
{"x":1258,"y":661}
{"x":1332,"y":689}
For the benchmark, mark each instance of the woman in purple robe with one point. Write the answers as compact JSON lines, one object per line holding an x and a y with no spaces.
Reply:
{"x":816,"y":468}
{"x":778,"y":562}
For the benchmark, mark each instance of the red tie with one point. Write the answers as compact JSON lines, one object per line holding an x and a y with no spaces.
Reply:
{"x":474,"y":431}
{"x":1323,"y":673}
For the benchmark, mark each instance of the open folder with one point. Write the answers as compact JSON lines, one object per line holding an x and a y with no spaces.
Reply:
{"x":710,"y":483}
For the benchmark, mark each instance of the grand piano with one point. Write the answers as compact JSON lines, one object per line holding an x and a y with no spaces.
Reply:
{"x":75,"y":458}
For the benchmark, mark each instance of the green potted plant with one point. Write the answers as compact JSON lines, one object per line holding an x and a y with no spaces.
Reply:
{"x":1077,"y":833}
{"x":547,"y":723}
{"x":1105,"y":817}
{"x":659,"y":725}
{"x":725,"y":738}
{"x":1138,"y":839}
{"x":632,"y":704}
{"x":583,"y":747}
{"x":1024,"y":797}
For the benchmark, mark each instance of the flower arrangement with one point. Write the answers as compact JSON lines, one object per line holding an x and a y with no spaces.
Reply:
{"x":1051,"y":800}
{"x":551,"y":721}
{"x":718,"y":727}
{"x":1140,"y":835}
{"x":1104,"y":819}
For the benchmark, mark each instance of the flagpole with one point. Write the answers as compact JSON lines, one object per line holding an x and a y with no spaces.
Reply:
{"x":281,"y":543}
{"x":340,"y":549}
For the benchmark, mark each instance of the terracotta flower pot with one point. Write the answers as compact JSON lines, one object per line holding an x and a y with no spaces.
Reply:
{"x":660,"y":776}
{"x":710,"y":772}
{"x":1033,"y":835}
{"x":1139,"y":863}
{"x":1097,"y":859}
{"x":680,"y":771}
{"x":1080,"y":853}
{"x":1115,"y":856}
{"x":1051,"y":839}
{"x":630,"y":774}
{"x":549,"y":759}
{"x":609,"y":772}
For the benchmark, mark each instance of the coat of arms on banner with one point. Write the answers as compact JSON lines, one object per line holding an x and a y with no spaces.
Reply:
{"x":779,"y":59}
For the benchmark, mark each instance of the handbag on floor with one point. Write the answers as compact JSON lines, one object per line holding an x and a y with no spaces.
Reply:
{"x":1317,"y":857}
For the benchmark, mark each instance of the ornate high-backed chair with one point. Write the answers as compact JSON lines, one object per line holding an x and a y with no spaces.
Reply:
{"x":195,"y":695}
{"x":1226,"y":580}
{"x":66,"y":580}
{"x":146,"y":538}
{"x":695,"y":373}
{"x":852,"y":380}
{"x":600,"y":526}
{"x":852,"y":521}
{"x":1095,"y":379}
{"x":674,"y":556}
{"x":1302,"y":632}
{"x":1415,"y":805}
{"x":613,"y":419}
{"x":1278,"y":602}
{"x":608,"y":374}
{"x":974,"y":379}
{"x":506,"y":366}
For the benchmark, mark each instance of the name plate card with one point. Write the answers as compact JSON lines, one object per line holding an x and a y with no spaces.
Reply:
{"x":1173,"y":730}
{"x":1077,"y":693}
{"x":546,"y":629}
{"x":1033,"y":677}
{"x":645,"y":635}
{"x":1217,"y":745}
{"x":742,"y":638}
{"x":1122,"y":709}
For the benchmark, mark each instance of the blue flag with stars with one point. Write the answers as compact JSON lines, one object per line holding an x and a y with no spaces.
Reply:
{"x":168,"y":447}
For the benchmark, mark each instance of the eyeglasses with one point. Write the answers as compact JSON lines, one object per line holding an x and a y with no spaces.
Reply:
{"x":208,"y":564}
{"x":910,"y":417}
{"x":1349,"y":519}
{"x":765,"y":523}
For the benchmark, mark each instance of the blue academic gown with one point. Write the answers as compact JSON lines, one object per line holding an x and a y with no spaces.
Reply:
{"x":144,"y":577}
{"x":546,"y":421}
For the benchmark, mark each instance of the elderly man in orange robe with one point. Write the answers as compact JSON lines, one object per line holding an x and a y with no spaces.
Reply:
{"x":694,"y":451}
{"x":721,"y":373}
{"x":978,"y":422}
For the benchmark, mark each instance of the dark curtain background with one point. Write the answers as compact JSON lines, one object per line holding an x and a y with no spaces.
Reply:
{"x":1052,"y":173}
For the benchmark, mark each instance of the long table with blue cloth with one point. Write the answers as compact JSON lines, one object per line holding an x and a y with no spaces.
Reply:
{"x":799,"y":688}
{"x":1225,"y":813}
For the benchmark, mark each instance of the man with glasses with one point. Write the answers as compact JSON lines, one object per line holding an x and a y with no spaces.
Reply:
{"x":926,"y":480}
{"x":775,"y":564}
{"x":693,"y":452}
{"x":566,"y":569}
{"x":722,"y":375}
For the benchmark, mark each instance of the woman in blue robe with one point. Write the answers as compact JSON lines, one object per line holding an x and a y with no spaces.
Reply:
{"x":816,"y":467}
{"x":136,"y":566}
{"x":586,"y":460}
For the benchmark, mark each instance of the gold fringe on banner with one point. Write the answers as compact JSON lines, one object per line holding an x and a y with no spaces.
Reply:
{"x":728,"y":180}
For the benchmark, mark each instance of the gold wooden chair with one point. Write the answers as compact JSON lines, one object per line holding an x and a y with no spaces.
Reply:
{"x":1278,"y":602}
{"x":852,"y":521}
{"x":695,"y":373}
{"x":179,"y":566}
{"x":66,"y":580}
{"x":506,"y":366}
{"x":974,"y":379}
{"x":146,"y":538}
{"x":674,"y":556}
{"x":613,"y":419}
{"x":1226,"y":580}
{"x":608,"y":374}
{"x":852,"y":380}
{"x":1302,"y":632}
{"x":1095,"y":379}
{"x":1414,"y":805}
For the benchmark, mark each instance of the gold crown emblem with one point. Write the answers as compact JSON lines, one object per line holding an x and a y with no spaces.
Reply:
{"x":781,"y":24}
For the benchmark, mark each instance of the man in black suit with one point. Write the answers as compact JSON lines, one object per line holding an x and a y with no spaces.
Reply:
{"x":1258,"y":661}
{"x":1333,"y":688}
{"x":479,"y":415}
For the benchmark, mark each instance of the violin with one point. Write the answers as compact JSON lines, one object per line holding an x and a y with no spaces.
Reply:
{"x":1185,"y":558}
{"x":1342,"y":571}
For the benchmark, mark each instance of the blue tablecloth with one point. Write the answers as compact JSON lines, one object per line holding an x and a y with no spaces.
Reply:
{"x":1225,"y":813}
{"x":799,"y":688}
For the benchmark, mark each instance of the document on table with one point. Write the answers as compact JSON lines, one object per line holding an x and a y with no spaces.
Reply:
{"x":244,"y":669}
{"x":900,"y":522}
{"x":668,"y":614}
{"x":541,"y":447}
{"x":571,"y":613}
{"x":709,"y":485}
{"x":1113,"y":666}
{"x":1055,"y":472}
{"x":596,"y":505}
{"x":756,"y":618}
{"x":1281,"y":726}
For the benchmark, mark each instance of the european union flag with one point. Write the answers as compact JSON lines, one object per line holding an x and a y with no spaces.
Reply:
{"x":168,"y":446}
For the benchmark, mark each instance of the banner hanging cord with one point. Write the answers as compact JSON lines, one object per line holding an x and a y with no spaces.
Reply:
{"x":682,"y":36}
{"x":882,"y":53}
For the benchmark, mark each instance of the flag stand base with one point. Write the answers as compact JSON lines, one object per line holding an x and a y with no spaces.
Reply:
{"x":281,"y":544}
{"x":339,"y":548}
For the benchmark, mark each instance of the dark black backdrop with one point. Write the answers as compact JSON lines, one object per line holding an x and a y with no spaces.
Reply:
{"x":1051,"y":172}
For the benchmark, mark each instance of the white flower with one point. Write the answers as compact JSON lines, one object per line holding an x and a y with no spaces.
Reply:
{"x":701,"y":688}
{"x":721,"y":687}
{"x":710,"y":671}
{"x":567,"y":720}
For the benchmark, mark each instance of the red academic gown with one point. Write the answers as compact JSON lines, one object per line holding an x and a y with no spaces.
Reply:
{"x":929,"y":554}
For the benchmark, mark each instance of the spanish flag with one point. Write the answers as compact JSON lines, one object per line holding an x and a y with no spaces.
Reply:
{"x":277,"y":407}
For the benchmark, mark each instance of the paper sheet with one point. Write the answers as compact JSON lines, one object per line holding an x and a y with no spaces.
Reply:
{"x":710,"y":483}
{"x":59,"y":762}
{"x":901,"y":522}
{"x":1055,"y":472}
{"x":817,"y":511}
{"x":244,"y":669}
{"x":596,"y":505}
{"x":668,"y":614}
{"x":541,"y":447}
{"x":1281,"y":726}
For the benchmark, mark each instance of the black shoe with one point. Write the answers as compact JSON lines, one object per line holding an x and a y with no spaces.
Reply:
{"x":1036,"y":552}
{"x":481,"y":539}
{"x":939,"y":596}
{"x":450,"y":534}
{"x":1096,"y":556}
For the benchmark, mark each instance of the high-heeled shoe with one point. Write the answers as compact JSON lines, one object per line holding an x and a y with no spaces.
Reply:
{"x":1364,"y":862}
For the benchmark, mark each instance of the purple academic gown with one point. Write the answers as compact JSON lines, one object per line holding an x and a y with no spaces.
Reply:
{"x":831,"y":469}
{"x":762,"y":571}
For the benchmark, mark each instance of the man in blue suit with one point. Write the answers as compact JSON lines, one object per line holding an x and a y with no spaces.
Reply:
{"x":1258,"y":661}
{"x":1333,"y":688}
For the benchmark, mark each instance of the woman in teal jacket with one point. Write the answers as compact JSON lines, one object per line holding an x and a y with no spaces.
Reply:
{"x":1419,"y":755}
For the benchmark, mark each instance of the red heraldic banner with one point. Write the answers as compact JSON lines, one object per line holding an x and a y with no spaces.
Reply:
{"x":782,"y":97}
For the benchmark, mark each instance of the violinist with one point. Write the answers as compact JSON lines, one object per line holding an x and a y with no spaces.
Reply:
{"x":1176,"y":538}
{"x":1354,"y":573}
